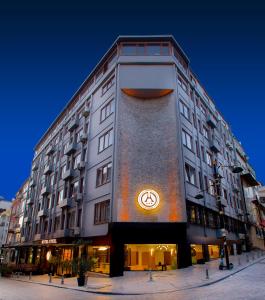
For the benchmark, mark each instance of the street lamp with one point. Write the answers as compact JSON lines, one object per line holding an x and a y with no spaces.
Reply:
{"x":218,"y":194}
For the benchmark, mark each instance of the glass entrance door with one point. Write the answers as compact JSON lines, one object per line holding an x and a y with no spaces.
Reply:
{"x":140,"y":257}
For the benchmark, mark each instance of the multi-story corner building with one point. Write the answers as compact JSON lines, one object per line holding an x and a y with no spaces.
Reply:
{"x":116,"y":175}
{"x":4,"y":222}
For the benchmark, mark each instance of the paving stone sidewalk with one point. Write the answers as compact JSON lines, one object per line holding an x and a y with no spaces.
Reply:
{"x":138,"y":283}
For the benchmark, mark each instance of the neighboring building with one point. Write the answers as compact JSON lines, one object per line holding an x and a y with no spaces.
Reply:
{"x":4,"y":221}
{"x":116,"y":174}
{"x":16,"y":223}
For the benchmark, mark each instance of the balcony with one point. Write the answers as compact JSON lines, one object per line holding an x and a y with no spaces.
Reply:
{"x":64,"y":233}
{"x":43,"y":213}
{"x":34,"y":166}
{"x":73,"y":124}
{"x":37,"y":237}
{"x":66,"y":202}
{"x":214,"y":146}
{"x":27,"y":219}
{"x":30,"y":201}
{"x":229,"y":145}
{"x":86,"y":111}
{"x":45,"y":190}
{"x":78,"y":197}
{"x":81,"y":165}
{"x":211,"y":121}
{"x":83,"y":137}
{"x":235,"y":188}
{"x":77,"y":231}
{"x":32,"y":182}
{"x":50,"y":150}
{"x":71,"y":148}
{"x":48,"y":169}
{"x":68,"y":174}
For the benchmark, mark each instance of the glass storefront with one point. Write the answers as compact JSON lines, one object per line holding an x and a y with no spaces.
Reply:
{"x":214,"y":251}
{"x":101,"y":257}
{"x":196,"y":253}
{"x":139,"y":257}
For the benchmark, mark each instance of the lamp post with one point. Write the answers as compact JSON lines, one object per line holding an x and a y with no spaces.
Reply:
{"x":218,"y":195}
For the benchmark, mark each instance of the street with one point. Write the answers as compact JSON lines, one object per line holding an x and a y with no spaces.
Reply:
{"x":247,"y":284}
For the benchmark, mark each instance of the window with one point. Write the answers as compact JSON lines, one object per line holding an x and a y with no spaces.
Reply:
{"x":102,"y":212}
{"x":60,"y":196}
{"x":200,"y":181}
{"x":182,"y":83}
{"x":184,"y":110}
{"x":197,"y":149}
{"x":190,"y":174}
{"x":211,"y":187}
{"x":187,"y":140}
{"x":209,"y":159}
{"x":107,"y":85}
{"x":145,"y":49}
{"x":107,"y":110}
{"x":103,"y":174}
{"x":194,"y":120}
{"x":205,"y":132}
{"x":105,"y":140}
{"x":203,"y":153}
{"x":77,"y":160}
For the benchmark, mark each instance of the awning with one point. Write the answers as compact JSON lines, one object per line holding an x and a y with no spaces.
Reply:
{"x":249,"y":179}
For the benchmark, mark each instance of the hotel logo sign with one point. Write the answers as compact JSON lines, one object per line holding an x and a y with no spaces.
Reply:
{"x":148,"y":199}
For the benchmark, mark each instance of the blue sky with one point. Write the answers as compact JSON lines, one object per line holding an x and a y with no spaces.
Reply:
{"x":47,"y":49}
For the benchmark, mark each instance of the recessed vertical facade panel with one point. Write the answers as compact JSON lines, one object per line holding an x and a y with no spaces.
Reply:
{"x":147,"y":181}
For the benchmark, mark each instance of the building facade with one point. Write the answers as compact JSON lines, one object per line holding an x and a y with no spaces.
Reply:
{"x":116,"y":175}
{"x":4,"y":223}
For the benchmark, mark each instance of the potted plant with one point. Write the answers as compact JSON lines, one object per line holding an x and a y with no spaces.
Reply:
{"x":80,"y":266}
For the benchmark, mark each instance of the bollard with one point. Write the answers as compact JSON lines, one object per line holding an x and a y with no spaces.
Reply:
{"x":30,"y":274}
{"x":247,"y":258}
{"x":50,"y":277}
{"x":239,"y":262}
{"x":150,"y":276}
{"x":62,"y":280}
{"x":207,"y":274}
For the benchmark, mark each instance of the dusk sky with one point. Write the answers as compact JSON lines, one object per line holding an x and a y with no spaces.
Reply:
{"x":47,"y":50}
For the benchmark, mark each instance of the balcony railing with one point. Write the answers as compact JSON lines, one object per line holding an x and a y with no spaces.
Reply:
{"x":71,"y":148}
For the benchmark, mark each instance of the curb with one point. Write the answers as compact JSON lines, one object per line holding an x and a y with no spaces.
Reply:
{"x":147,"y":293}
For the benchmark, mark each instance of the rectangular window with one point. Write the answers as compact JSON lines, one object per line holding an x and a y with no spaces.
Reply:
{"x":103,"y":174}
{"x":197,"y":149}
{"x":107,"y":110}
{"x":105,"y":140}
{"x":102,"y":212}
{"x":205,"y":132}
{"x":209,"y":159}
{"x":184,"y":110}
{"x":182,"y":83}
{"x":211,"y":187}
{"x":203,"y":153}
{"x":108,"y":85}
{"x":190,"y":175}
{"x":145,"y":49}
{"x":186,"y":139}
{"x":194,"y":120}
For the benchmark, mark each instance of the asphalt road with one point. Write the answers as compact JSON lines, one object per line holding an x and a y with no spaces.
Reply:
{"x":247,"y":284}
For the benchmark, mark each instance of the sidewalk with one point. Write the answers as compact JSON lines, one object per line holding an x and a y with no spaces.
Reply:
{"x":138,"y":283}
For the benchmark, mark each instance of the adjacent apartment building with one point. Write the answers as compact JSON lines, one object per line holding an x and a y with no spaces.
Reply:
{"x":115,"y":176}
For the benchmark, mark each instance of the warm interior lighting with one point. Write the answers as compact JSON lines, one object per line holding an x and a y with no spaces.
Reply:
{"x":102,"y":248}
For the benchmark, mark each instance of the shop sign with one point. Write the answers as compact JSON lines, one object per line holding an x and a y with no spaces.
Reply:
{"x":52,"y":241}
{"x":148,"y":199}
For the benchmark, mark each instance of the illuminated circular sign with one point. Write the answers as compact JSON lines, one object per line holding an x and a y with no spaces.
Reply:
{"x":148,"y":199}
